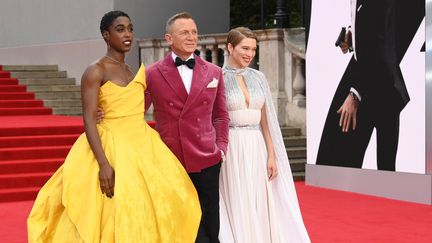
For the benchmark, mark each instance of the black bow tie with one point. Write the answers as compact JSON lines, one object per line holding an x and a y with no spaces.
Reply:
{"x":190,"y":62}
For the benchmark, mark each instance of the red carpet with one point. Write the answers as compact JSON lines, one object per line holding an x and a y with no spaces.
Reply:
{"x":330,"y":216}
{"x":33,"y":142}
{"x":31,"y":149}
{"x":336,"y":216}
{"x":33,"y":146}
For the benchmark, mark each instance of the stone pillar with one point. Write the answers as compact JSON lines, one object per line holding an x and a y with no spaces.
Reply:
{"x":214,"y":54}
{"x":160,"y":53}
{"x":153,"y":50}
{"x":147,"y":51}
{"x":202,"y":51}
{"x":299,"y":84}
{"x":272,"y":64}
{"x":294,"y":61}
{"x":225,"y":54}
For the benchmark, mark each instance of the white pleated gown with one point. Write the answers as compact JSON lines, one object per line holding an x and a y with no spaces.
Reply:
{"x":252,"y":208}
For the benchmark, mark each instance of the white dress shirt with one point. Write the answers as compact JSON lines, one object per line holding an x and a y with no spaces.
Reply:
{"x":354,"y":11}
{"x":353,"y":20}
{"x":185,"y":72}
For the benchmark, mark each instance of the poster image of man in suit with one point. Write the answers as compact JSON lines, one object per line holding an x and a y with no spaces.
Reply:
{"x":372,"y":92}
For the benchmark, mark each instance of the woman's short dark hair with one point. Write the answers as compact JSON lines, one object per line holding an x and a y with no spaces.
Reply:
{"x":109,"y":18}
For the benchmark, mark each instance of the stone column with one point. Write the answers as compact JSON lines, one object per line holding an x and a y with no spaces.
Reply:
{"x":299,"y":84}
{"x":148,"y":52}
{"x":295,"y":81}
{"x":152,"y":50}
{"x":272,"y":64}
{"x":214,"y":54}
{"x":202,"y":51}
{"x":225,"y":54}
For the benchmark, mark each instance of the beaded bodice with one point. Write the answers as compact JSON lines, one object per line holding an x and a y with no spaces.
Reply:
{"x":240,"y":113}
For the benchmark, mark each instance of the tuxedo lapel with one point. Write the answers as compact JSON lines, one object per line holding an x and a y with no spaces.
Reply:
{"x":171,"y":75}
{"x":200,"y":73}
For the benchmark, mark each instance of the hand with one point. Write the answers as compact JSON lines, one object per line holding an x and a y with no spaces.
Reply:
{"x":107,"y":179}
{"x":100,"y":115}
{"x":223,"y":157}
{"x":272,"y":170}
{"x":346,"y":43}
{"x":348,"y":113}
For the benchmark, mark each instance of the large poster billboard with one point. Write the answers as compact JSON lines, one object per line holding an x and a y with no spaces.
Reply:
{"x":366,"y":96}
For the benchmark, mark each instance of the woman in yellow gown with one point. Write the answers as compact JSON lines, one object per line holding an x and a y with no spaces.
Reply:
{"x":119,"y":182}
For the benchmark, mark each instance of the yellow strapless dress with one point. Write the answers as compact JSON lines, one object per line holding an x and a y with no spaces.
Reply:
{"x":154,"y":199}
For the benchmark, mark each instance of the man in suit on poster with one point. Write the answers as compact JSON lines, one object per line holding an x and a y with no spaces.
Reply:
{"x":188,"y":96}
{"x":372,"y":92}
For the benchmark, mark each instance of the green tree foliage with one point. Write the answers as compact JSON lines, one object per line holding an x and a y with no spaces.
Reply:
{"x":248,"y":13}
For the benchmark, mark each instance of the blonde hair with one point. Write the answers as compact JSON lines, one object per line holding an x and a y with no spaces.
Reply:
{"x":172,"y":19}
{"x":236,"y":35}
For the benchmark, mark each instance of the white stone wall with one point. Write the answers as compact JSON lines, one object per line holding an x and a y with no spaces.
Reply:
{"x":66,"y":32}
{"x":40,"y":22}
{"x":150,"y":16}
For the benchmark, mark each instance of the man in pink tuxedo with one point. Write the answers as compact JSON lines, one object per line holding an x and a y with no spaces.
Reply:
{"x":188,"y":97}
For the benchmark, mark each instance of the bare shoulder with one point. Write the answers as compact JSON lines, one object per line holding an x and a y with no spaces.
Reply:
{"x":95,"y":72}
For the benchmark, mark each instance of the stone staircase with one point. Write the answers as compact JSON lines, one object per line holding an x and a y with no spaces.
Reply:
{"x":51,"y":86}
{"x":61,"y":93}
{"x":295,"y":145}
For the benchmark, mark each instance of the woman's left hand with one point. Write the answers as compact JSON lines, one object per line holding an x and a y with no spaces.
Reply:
{"x":272,"y":170}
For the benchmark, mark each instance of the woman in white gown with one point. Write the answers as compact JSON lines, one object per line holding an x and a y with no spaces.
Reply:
{"x":258,"y":202}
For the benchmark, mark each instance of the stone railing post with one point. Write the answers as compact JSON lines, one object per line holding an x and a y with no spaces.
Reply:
{"x":214,"y":54}
{"x":272,"y":63}
{"x":225,"y":54}
{"x":295,"y":83}
{"x":149,"y":51}
{"x":203,"y":51}
{"x":299,"y":84}
{"x":281,"y":59}
{"x":152,"y":50}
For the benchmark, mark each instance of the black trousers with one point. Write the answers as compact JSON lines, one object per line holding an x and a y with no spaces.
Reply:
{"x":207,"y":185}
{"x":348,"y":149}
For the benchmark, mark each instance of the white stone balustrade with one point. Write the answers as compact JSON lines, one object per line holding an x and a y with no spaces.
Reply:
{"x":281,"y":57}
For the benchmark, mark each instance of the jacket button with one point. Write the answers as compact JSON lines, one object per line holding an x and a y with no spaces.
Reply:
{"x":205,"y":102}
{"x":198,"y":120}
{"x":171,"y":104}
{"x":198,"y":136}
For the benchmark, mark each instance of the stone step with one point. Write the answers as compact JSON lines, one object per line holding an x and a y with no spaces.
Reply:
{"x":37,"y":74}
{"x":296,"y":152}
{"x":290,"y":131}
{"x":58,"y":95}
{"x":299,"y":176}
{"x":22,"y":68}
{"x":63,"y":103}
{"x":47,"y":81}
{"x":298,"y":165}
{"x":70,"y":111}
{"x":47,"y":88}
{"x":295,"y":141}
